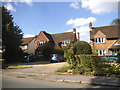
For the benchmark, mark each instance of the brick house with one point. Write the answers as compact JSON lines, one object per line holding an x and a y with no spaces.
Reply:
{"x":105,"y":39}
{"x":33,"y":45}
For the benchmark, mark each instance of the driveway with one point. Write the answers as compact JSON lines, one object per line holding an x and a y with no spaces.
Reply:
{"x":39,"y":70}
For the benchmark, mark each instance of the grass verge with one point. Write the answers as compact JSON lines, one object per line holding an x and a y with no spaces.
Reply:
{"x":17,"y":67}
{"x":63,"y":69}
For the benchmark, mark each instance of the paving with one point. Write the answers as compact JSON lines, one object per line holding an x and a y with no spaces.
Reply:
{"x":46,"y":71}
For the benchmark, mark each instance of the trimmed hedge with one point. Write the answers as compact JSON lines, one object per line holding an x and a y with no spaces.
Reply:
{"x":83,"y":63}
{"x":91,"y":64}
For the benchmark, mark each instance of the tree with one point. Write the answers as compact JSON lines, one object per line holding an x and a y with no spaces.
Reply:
{"x":47,"y":49}
{"x":115,"y":21}
{"x":82,"y":47}
{"x":12,"y":37}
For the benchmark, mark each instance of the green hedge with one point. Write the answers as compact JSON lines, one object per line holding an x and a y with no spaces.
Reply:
{"x":91,"y":64}
{"x":83,"y":63}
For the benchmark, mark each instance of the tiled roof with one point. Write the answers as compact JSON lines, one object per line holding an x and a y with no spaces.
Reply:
{"x":49,"y":36}
{"x":54,"y":38}
{"x":116,"y":45}
{"x":110,"y":31}
{"x":27,"y":40}
{"x":62,"y":36}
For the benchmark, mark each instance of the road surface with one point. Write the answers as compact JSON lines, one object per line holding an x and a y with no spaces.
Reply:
{"x":29,"y":83}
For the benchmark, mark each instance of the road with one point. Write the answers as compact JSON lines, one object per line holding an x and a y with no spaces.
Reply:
{"x":29,"y":83}
{"x":41,"y":75}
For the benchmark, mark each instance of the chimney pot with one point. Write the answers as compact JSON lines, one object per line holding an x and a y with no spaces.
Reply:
{"x":74,"y":30}
{"x":90,"y":25}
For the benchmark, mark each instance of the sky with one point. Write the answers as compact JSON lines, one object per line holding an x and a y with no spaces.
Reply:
{"x":58,"y":17}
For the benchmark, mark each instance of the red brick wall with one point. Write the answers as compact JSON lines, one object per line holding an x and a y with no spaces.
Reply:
{"x":41,"y":37}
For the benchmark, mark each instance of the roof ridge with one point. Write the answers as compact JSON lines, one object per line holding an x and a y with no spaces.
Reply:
{"x":106,"y":26}
{"x":61,"y":33}
{"x":29,"y":37}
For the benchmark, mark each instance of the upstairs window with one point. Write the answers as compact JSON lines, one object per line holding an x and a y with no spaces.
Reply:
{"x":65,"y":42}
{"x":99,"y":40}
{"x":41,"y":43}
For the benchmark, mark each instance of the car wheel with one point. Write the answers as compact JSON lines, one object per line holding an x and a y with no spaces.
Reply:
{"x":51,"y":61}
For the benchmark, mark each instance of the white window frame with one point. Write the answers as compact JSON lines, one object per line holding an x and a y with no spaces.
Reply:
{"x":99,"y":40}
{"x":41,"y":43}
{"x":65,"y":42}
{"x":101,"y":52}
{"x":24,"y":47}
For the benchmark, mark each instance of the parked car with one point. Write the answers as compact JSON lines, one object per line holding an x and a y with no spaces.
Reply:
{"x":29,"y":58}
{"x":56,"y":58}
{"x":111,"y":58}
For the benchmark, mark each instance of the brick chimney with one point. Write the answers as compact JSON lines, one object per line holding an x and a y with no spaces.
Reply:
{"x":78,"y":36}
{"x":90,"y":26}
{"x":74,"y":30}
{"x":74,"y":37}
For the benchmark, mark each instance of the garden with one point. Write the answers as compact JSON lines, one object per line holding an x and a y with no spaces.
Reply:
{"x":83,"y":61}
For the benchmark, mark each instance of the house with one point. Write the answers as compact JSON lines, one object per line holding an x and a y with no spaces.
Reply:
{"x":28,"y":45}
{"x":34,"y":44}
{"x":105,"y":39}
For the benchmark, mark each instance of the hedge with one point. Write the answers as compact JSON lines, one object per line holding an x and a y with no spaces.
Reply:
{"x":91,"y":64}
{"x":84,"y":63}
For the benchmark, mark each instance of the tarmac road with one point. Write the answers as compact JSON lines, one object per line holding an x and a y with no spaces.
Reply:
{"x":42,"y":75}
{"x":29,"y":83}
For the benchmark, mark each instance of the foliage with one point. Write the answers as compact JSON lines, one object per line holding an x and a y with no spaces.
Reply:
{"x":115,"y":21}
{"x":92,"y":65}
{"x":12,"y":36}
{"x":47,"y":49}
{"x":94,"y":51}
{"x":82,"y":47}
{"x":59,"y":51}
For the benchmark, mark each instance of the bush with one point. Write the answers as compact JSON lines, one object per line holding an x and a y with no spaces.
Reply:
{"x":87,"y":63}
{"x":82,"y":47}
{"x":59,"y":51}
{"x":47,"y":49}
{"x":82,"y":63}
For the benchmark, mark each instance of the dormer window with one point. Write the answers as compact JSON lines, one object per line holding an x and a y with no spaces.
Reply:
{"x":41,"y":43}
{"x":65,"y":42}
{"x":99,"y":40}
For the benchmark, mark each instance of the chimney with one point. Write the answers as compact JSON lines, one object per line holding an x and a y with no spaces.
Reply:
{"x":74,"y":30}
{"x":78,"y":36}
{"x":90,"y":26}
{"x":74,"y":37}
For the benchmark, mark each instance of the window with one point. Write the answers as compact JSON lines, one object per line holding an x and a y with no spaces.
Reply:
{"x":24,"y":47}
{"x":65,"y":42}
{"x":101,"y":52}
{"x":41,"y":43}
{"x":99,"y":40}
{"x":39,"y":53}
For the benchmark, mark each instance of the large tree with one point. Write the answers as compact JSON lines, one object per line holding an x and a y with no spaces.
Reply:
{"x":11,"y":37}
{"x":115,"y":21}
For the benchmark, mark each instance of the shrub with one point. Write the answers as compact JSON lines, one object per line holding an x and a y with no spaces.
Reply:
{"x":87,"y":62}
{"x":47,"y":49}
{"x":59,"y":51}
{"x":82,"y":47}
